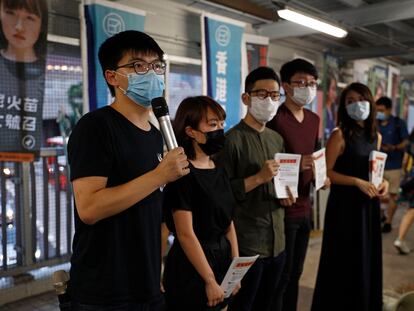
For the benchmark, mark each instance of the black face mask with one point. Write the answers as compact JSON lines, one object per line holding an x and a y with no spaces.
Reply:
{"x":214,"y":143}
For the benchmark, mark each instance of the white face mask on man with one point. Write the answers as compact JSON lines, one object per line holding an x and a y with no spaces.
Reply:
{"x":263,"y":110}
{"x":303,"y":96}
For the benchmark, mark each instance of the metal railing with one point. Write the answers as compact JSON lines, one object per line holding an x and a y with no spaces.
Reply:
{"x":36,"y":222}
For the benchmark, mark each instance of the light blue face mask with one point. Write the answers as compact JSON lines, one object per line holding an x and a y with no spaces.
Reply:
{"x":359,"y":111}
{"x":381,"y":116}
{"x":144,"y":88}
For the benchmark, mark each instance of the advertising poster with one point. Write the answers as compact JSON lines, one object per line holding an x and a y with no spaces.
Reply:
{"x":330,"y":94}
{"x":378,"y":81}
{"x":23,"y":49}
{"x":405,"y":107}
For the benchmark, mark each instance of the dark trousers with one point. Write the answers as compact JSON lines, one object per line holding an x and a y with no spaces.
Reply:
{"x":156,"y":305}
{"x":185,"y":290}
{"x":297,"y":237}
{"x":259,"y":285}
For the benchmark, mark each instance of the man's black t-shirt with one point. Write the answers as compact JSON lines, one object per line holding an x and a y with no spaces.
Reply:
{"x":118,"y":258}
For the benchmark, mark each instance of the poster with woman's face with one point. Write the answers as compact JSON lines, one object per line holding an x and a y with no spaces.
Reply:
{"x":330,"y":94}
{"x":23,"y":32}
{"x":395,"y":91}
{"x":378,"y":82}
{"x":23,"y":36}
{"x":406,"y":95}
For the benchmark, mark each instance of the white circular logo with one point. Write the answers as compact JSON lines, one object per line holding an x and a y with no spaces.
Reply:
{"x":223,"y":35}
{"x":112,"y":24}
{"x":28,"y":142}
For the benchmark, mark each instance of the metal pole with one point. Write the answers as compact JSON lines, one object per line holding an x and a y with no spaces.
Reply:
{"x":26,"y":214}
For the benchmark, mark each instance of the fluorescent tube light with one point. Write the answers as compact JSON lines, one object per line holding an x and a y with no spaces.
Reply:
{"x":311,"y":22}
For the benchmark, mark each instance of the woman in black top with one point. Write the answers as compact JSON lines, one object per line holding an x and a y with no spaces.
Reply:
{"x":350,"y":268}
{"x":198,"y":210}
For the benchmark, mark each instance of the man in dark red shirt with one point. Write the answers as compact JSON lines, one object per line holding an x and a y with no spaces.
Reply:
{"x":299,"y":128}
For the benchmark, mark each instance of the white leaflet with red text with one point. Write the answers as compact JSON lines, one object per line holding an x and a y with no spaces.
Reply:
{"x":376,"y":167}
{"x":238,"y":268}
{"x":288,"y":174}
{"x":319,"y":160}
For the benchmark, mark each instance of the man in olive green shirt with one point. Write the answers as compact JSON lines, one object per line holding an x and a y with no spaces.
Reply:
{"x":248,"y":157}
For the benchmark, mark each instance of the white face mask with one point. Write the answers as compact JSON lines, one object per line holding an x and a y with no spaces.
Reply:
{"x":263,"y":110}
{"x":303,"y":96}
{"x":359,"y":111}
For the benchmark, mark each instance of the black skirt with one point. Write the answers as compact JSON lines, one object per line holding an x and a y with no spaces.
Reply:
{"x":350,"y":268}
{"x":184,"y":287}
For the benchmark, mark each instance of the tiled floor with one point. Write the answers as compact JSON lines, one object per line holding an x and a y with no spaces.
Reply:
{"x":398,"y":271}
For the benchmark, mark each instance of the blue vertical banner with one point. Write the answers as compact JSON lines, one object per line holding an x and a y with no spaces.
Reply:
{"x":222,"y":63}
{"x":103,"y":19}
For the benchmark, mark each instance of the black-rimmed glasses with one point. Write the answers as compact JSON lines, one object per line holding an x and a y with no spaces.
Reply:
{"x":302,"y":84}
{"x":262,"y":94}
{"x":142,"y":67}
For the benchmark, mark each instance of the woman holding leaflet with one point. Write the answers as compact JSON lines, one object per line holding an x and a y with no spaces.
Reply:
{"x":199,"y":211}
{"x":350,"y":268}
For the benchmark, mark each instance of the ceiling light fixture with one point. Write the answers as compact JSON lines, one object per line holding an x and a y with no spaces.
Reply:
{"x":311,"y":22}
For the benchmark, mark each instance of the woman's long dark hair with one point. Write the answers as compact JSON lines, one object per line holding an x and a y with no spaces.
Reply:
{"x":190,"y":112}
{"x":349,"y":125}
{"x":37,"y":7}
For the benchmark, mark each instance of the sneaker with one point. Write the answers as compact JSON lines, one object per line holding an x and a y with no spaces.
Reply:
{"x":386,"y":228}
{"x":401,"y":246}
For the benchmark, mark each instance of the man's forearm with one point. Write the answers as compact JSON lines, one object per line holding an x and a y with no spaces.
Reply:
{"x":106,"y":202}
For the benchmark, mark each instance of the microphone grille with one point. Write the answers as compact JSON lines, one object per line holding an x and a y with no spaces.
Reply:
{"x":159,"y":107}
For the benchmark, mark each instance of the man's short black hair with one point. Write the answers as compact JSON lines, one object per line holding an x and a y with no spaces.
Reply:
{"x":384,"y":101}
{"x":261,"y":73}
{"x":115,"y":47}
{"x":297,"y":65}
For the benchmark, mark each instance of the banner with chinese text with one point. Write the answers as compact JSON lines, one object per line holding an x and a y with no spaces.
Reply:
{"x":103,"y":19}
{"x":22,"y":82}
{"x":222,"y":63}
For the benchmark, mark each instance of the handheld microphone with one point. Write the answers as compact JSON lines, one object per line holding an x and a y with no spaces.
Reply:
{"x":160,"y":109}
